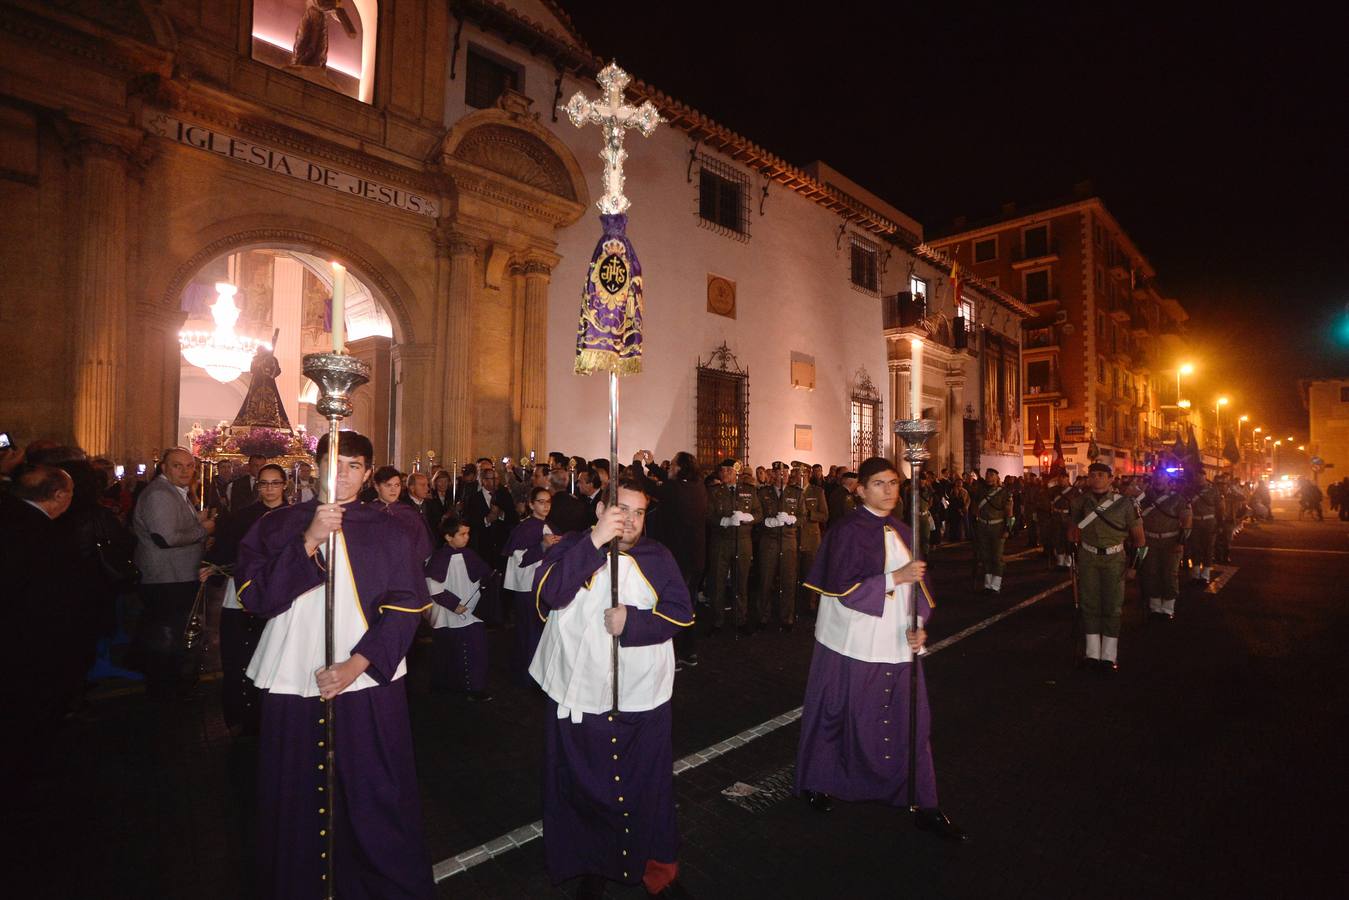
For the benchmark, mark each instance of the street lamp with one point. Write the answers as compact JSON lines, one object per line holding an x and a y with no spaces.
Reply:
{"x":1218,"y":426}
{"x":1183,"y":369}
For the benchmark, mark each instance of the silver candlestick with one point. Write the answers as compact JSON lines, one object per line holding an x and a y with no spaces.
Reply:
{"x":915,"y":433}
{"x":337,"y":376}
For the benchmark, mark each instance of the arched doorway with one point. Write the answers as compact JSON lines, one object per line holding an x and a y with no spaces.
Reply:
{"x":284,"y":295}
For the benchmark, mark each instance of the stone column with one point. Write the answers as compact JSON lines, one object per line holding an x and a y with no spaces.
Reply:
{"x":100,"y":308}
{"x":152,"y":408}
{"x":534,"y":368}
{"x":414,"y":382}
{"x":455,"y":349}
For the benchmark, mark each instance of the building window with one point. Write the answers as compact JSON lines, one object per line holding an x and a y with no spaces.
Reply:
{"x":722,"y":409}
{"x":986,"y":250}
{"x":1037,"y":285}
{"x":1040,"y":377}
{"x":1102,"y":417}
{"x":335,"y":50}
{"x":867,"y":424}
{"x":1100,"y":327}
{"x":1100,"y":369}
{"x":965,"y":310}
{"x":863,"y":271}
{"x":1344,"y":394}
{"x":918,"y":286}
{"x":723,"y":198}
{"x":486,"y":77}
{"x":1035,"y":241}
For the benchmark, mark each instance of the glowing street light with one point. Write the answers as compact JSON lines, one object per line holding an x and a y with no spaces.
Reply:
{"x":1183,"y":369}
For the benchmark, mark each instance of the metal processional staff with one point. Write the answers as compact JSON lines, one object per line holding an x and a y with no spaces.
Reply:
{"x":609,"y":335}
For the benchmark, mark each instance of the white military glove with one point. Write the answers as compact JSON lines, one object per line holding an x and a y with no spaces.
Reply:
{"x":773,"y":522}
{"x":787,"y":518}
{"x":727,"y":521}
{"x":743,"y":517}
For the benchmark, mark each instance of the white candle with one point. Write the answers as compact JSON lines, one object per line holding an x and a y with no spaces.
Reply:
{"x":916,"y":379}
{"x":339,"y":308}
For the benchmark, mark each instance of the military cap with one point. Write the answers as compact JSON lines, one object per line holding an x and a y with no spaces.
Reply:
{"x":1100,"y":467}
{"x":779,"y":464}
{"x":726,"y":463}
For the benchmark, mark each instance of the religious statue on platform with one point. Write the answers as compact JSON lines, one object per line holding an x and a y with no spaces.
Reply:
{"x":311,"y":37}
{"x":262,"y":405}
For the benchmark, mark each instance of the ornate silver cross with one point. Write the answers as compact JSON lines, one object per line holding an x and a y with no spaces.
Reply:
{"x":610,"y":113}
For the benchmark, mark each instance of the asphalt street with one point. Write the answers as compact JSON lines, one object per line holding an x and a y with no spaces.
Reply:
{"x":1206,"y":767}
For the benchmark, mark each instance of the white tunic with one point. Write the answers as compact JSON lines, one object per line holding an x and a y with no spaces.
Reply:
{"x":521,"y":577}
{"x":290,"y":650}
{"x":231,"y":600}
{"x":572,"y":664}
{"x":456,"y":582}
{"x":857,"y":635}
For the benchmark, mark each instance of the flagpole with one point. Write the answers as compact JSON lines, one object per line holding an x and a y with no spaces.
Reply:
{"x":613,"y":504}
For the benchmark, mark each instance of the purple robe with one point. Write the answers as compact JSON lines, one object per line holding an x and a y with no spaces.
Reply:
{"x":380,"y":851}
{"x":608,"y":783}
{"x":458,"y":655}
{"x":527,"y":536}
{"x":407,"y":515}
{"x":855,"y":719}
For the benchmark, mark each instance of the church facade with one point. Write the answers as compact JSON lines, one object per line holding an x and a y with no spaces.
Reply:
{"x":152,"y":150}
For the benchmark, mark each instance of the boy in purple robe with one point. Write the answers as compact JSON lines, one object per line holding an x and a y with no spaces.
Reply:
{"x":454,"y":577}
{"x":528,"y":542}
{"x":381,"y":595}
{"x":855,"y":720}
{"x":608,"y":783}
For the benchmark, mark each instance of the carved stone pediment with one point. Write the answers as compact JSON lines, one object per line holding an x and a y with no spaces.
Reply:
{"x":517,"y":155}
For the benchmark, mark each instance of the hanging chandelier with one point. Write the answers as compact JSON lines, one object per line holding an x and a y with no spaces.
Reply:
{"x":222,"y":353}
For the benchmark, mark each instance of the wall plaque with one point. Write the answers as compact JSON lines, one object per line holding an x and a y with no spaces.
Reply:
{"x":721,"y":296}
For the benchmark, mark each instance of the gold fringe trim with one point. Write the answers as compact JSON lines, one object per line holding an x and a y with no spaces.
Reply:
{"x":590,"y":362}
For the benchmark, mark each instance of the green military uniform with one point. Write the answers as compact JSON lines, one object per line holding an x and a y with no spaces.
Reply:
{"x":1166,"y":522}
{"x":778,"y":543}
{"x":1103,"y":521}
{"x":924,"y":515}
{"x":1054,"y":524}
{"x":732,"y":548}
{"x":814,"y":513}
{"x":992,"y":520}
{"x":1205,"y":503}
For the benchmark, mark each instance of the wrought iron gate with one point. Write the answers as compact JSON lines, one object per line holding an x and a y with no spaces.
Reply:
{"x":723,"y":409}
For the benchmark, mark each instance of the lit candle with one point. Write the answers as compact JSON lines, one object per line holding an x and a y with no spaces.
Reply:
{"x":916,"y":378}
{"x":339,"y":308}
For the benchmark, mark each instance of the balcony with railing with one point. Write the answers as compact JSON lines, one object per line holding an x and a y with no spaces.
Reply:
{"x":1041,"y":338}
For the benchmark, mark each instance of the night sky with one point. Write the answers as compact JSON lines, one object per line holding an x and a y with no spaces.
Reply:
{"x":1219,"y":144}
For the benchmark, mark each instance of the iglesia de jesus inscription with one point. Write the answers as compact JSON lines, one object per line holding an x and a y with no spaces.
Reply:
{"x":273,"y":160}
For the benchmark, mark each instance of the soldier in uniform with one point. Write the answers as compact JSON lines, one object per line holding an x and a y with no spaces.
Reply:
{"x":1167,"y":519}
{"x":993,"y":521}
{"x":732,"y":510}
{"x":1205,"y":502}
{"x":778,"y":541}
{"x":1100,"y":521}
{"x":814,"y":514}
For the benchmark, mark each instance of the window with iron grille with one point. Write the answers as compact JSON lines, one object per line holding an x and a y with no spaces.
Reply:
{"x":986,"y":250}
{"x":863,"y":264}
{"x":867,"y":439}
{"x":722,"y":409}
{"x":723,"y":198}
{"x":486,"y":78}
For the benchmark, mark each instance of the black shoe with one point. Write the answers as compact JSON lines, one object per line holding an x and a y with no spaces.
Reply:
{"x":935,"y":821}
{"x":690,"y":661}
{"x":478,"y":697}
{"x":746,"y":630}
{"x":1107,"y":668}
{"x":591,"y":888}
{"x":1087,"y":664}
{"x":818,"y":800}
